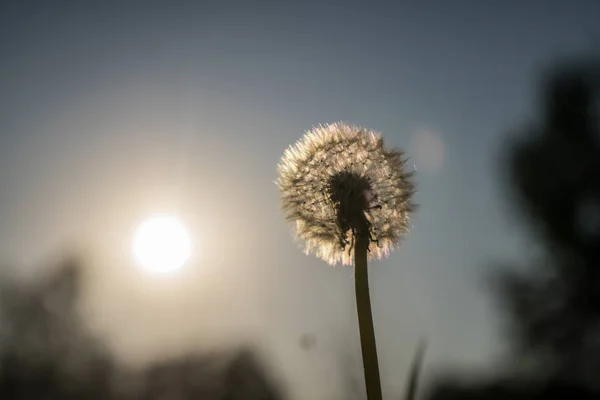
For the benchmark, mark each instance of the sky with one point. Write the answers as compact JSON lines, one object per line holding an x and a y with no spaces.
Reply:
{"x":112,"y":111}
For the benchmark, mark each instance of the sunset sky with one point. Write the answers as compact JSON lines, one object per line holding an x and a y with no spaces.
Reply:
{"x":114,"y":111}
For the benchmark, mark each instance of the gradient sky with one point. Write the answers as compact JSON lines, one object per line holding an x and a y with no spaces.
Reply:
{"x":110,"y":113}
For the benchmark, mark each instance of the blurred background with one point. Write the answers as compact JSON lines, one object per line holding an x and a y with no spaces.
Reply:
{"x":111,"y":112}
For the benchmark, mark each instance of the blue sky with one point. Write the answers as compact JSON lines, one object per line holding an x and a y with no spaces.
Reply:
{"x":111,"y":112}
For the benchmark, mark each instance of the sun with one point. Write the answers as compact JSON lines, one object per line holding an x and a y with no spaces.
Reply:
{"x":161,"y":244}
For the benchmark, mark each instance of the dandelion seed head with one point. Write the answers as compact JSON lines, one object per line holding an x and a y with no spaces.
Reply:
{"x":339,"y":179}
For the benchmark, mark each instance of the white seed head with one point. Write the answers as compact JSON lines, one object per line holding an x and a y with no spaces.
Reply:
{"x":339,"y":177}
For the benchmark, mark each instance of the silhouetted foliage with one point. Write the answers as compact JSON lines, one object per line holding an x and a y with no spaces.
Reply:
{"x":553,"y":306}
{"x":46,"y":353}
{"x":555,"y":174}
{"x":501,"y":389}
{"x":233,"y":376}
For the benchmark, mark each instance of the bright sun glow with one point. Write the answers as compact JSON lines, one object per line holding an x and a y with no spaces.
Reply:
{"x":161,"y":244}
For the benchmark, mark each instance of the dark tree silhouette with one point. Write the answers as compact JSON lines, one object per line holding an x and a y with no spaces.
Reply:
{"x":45,"y":350}
{"x":222,"y":376}
{"x":554,"y":306}
{"x":46,"y":353}
{"x":509,"y":389}
{"x":552,"y":171}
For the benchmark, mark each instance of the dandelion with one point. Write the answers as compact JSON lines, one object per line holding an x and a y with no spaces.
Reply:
{"x":349,"y":197}
{"x":340,"y":179}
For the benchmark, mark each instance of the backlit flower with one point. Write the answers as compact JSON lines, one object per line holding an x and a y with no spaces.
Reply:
{"x":340,"y":179}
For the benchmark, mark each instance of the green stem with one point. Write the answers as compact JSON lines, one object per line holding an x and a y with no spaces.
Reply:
{"x":415,"y":370}
{"x":365,"y":318}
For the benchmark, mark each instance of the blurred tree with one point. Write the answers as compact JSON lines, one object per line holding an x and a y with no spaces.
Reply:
{"x":234,"y":376}
{"x":553,"y":305}
{"x":513,"y":389}
{"x":554,"y":174}
{"x":45,"y":351}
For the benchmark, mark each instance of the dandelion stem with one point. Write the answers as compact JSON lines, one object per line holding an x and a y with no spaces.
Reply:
{"x":365,"y":317}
